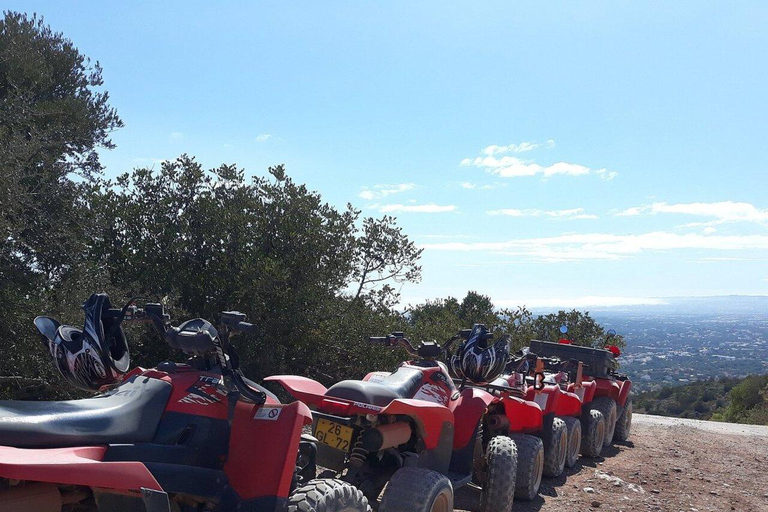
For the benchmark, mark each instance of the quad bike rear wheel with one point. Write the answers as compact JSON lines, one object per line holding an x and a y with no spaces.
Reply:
{"x":328,"y":495}
{"x":417,"y":490}
{"x":593,"y":433}
{"x":607,"y":406}
{"x":574,"y":440}
{"x":624,"y":423}
{"x":500,"y":473}
{"x":555,"y":449}
{"x":530,"y":466}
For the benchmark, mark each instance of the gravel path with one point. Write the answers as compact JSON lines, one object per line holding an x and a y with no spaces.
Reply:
{"x":669,"y":464}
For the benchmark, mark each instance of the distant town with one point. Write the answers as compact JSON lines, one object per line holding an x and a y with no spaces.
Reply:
{"x":666,"y":349}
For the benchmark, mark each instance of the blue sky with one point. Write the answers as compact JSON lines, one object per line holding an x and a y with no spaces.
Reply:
{"x":570,"y":153}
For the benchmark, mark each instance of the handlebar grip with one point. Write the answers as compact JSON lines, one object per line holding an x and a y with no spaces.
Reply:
{"x":245,"y":327}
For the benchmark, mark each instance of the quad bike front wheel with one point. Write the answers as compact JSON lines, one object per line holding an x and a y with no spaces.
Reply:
{"x":530,"y":466}
{"x":593,"y":433}
{"x":573,"y":425}
{"x":500,"y":474}
{"x":556,"y":448}
{"x":624,"y":423}
{"x":417,"y":490}
{"x":607,"y":406}
{"x":328,"y":495}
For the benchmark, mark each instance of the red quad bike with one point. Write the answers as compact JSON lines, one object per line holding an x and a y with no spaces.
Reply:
{"x":540,"y":417}
{"x":606,"y":411}
{"x":411,"y":430}
{"x":176,"y":438}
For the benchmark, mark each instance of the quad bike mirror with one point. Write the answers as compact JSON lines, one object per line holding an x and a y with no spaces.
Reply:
{"x":611,"y":333}
{"x":563,"y":329}
{"x":47,"y":326}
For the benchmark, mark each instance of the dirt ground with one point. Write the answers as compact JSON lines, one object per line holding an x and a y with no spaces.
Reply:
{"x":667,"y":465}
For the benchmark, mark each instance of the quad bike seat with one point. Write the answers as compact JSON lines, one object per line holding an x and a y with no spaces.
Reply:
{"x":127,"y":414}
{"x":403,"y":383}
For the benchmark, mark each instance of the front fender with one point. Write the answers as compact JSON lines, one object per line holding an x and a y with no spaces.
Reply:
{"x":469,"y":409}
{"x":524,"y":415}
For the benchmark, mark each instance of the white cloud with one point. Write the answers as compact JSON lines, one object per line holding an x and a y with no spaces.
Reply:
{"x":474,"y":186}
{"x":709,"y":230}
{"x":497,"y":162}
{"x":601,"y":246}
{"x":416,"y":208}
{"x":721,"y":211}
{"x":570,"y":214}
{"x":263,"y":137}
{"x":176,"y":136}
{"x":523,"y":147}
{"x":381,"y":190}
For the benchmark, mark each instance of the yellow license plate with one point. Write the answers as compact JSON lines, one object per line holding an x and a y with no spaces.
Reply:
{"x":333,"y":434}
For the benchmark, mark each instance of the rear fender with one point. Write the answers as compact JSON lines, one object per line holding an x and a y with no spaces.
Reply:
{"x":81,"y":465}
{"x":469,"y":409}
{"x":301,"y":388}
{"x":607,"y":387}
{"x":430,"y":418}
{"x":626,"y":386}
{"x":524,"y":415}
{"x":263,"y":448}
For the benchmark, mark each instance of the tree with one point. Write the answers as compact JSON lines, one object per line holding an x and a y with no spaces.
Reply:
{"x":268,"y":247}
{"x":53,"y":119}
{"x":582,"y":329}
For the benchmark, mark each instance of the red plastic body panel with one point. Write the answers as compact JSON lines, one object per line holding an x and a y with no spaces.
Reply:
{"x":626,"y":386}
{"x":586,"y":393}
{"x":468,"y":410}
{"x":301,"y":388}
{"x":524,"y":416}
{"x":263,"y":448}
{"x":75,"y":466}
{"x":607,"y":387}
{"x":554,"y":400}
{"x":429,"y":418}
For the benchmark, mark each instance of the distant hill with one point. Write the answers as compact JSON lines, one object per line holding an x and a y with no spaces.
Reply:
{"x":727,"y":399}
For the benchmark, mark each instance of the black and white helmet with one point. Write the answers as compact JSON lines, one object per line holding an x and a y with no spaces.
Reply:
{"x":476,"y":361}
{"x":94,"y":357}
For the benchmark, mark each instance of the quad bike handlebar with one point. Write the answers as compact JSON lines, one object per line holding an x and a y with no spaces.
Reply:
{"x":427,"y":350}
{"x":198,"y":336}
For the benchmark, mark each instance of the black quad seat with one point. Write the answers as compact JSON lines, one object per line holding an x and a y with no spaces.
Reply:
{"x":127,"y":414}
{"x":403,"y":383}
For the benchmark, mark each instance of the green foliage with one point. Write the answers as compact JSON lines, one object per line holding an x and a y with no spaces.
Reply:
{"x":53,"y":119}
{"x":582,"y":329}
{"x":733,"y":400}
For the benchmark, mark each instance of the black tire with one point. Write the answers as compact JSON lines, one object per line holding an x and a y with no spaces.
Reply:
{"x":624,"y":423}
{"x":607,"y":406}
{"x":555,"y":448}
{"x":593,"y":433}
{"x":530,"y":466}
{"x":500,"y":475}
{"x":417,"y":490}
{"x":328,"y":495}
{"x":573,"y":425}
